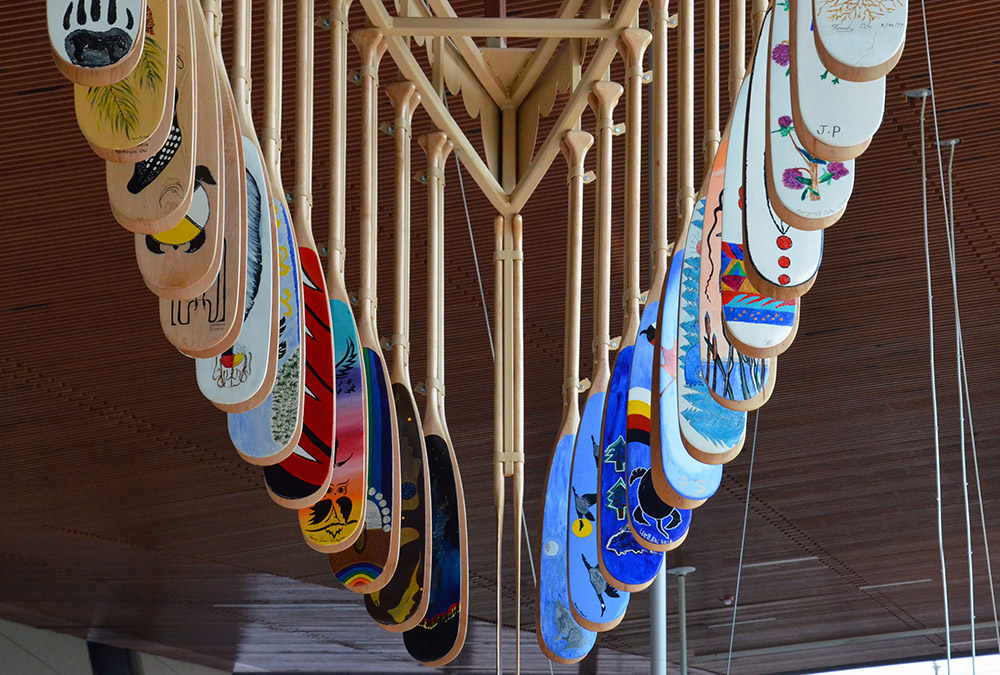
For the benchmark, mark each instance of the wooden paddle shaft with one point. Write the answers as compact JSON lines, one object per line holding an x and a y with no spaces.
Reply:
{"x":240,"y":73}
{"x":711,"y":80}
{"x":517,"y":263}
{"x":371,"y":45}
{"x":759,"y":10}
{"x":685,"y":113}
{"x":575,"y":145}
{"x":737,"y":46}
{"x":603,"y":99}
{"x":498,"y":412}
{"x":632,"y":45}
{"x":404,"y":98}
{"x":442,"y":162}
{"x":435,"y":144}
{"x":338,"y":141}
{"x":271,"y":133}
{"x":660,"y":115}
{"x":302,"y":192}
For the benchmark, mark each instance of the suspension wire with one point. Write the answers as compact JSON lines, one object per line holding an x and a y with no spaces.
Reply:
{"x":489,"y":332}
{"x":950,"y":232}
{"x":934,"y":399}
{"x":743,"y":541}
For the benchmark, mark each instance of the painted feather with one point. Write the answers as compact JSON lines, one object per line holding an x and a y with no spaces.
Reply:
{"x":255,"y":258}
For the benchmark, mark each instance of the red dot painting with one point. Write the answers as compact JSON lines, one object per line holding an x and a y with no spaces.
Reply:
{"x":784,"y":261}
{"x":783,"y":279}
{"x":784,"y":242}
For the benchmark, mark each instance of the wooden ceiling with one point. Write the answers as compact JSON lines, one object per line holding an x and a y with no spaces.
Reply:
{"x":128,"y":518}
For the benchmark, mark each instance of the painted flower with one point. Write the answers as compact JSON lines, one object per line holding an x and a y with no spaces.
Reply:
{"x":790,"y":179}
{"x":784,"y":121}
{"x":781,"y":54}
{"x":837,"y":170}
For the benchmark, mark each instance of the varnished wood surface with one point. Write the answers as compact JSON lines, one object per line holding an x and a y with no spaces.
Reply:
{"x":175,"y":541}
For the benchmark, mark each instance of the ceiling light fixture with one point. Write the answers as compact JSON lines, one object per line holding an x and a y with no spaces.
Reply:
{"x":786,"y":561}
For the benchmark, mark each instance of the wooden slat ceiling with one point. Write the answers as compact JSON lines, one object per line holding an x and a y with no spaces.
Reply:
{"x":128,"y":518}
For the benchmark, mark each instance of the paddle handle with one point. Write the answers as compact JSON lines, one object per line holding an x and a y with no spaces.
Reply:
{"x":632,"y":44}
{"x":574,"y":146}
{"x":685,"y":113}
{"x":404,"y":99}
{"x":759,"y":10}
{"x":498,"y":414}
{"x":712,"y":137}
{"x":603,"y":99}
{"x":434,"y":145}
{"x":517,"y":263}
{"x":338,"y":143}
{"x":271,"y":133}
{"x":660,"y":114}
{"x":240,"y":74}
{"x":737,"y":46}
{"x":371,"y":45}
{"x":302,"y":191}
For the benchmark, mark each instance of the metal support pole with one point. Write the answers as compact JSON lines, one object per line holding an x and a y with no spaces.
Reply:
{"x":681,"y":573}
{"x":658,"y":624}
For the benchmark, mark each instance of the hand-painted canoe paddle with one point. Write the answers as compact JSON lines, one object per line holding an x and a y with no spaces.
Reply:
{"x":712,"y":434}
{"x":835,"y":119}
{"x":674,"y":472}
{"x":735,"y":380}
{"x":756,"y":324}
{"x":806,"y":191}
{"x":781,"y":261}
{"x":269,"y":433}
{"x":94,"y":43}
{"x":593,"y":602}
{"x":402,"y":603}
{"x":370,"y":563}
{"x":439,"y":638}
{"x":560,"y":637}
{"x":303,"y":478}
{"x":184,"y":261}
{"x":241,"y":377}
{"x":335,"y":522}
{"x":208,"y":325}
{"x":129,"y":120}
{"x":860,"y":41}
{"x":655,"y":525}
{"x":153,"y":195}
{"x":625,"y":563}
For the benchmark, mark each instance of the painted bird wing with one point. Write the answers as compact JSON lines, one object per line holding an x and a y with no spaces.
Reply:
{"x":255,"y":257}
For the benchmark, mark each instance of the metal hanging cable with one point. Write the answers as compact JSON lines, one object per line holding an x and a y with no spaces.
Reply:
{"x":934,"y":400}
{"x":743,"y":541}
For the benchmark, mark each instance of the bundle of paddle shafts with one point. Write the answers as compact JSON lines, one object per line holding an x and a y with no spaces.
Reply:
{"x":301,"y":374}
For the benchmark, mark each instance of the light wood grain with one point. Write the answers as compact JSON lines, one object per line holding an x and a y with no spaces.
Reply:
{"x":153,"y":195}
{"x":183,"y":262}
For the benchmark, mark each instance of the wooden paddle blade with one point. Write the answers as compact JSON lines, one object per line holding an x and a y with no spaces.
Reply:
{"x":781,"y":261}
{"x":712,"y":434}
{"x":560,"y":637}
{"x":678,"y":478}
{"x":184,"y":261}
{"x":402,"y":604}
{"x":208,"y":325}
{"x":835,"y":119}
{"x":153,"y":195}
{"x":234,"y":379}
{"x":129,"y":121}
{"x":369,"y":565}
{"x":806,"y":192}
{"x":656,"y":525}
{"x":96,"y":44}
{"x":594,"y":603}
{"x":335,"y":521}
{"x":439,"y":638}
{"x":859,"y":41}
{"x":627,"y":565}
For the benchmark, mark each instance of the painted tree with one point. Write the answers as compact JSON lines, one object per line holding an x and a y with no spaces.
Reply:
{"x":615,"y":454}
{"x":616,"y":498}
